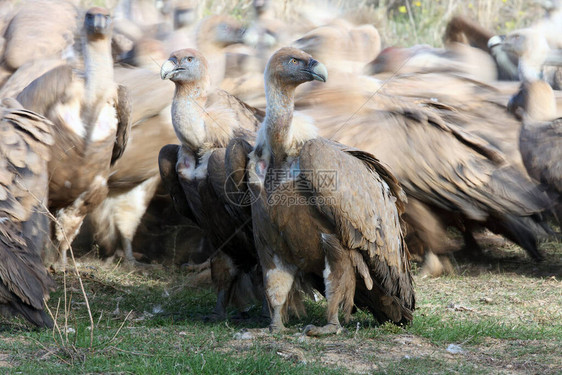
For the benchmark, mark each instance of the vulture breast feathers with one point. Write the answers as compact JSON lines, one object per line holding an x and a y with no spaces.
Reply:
{"x":324,"y":210}
{"x":25,"y":142}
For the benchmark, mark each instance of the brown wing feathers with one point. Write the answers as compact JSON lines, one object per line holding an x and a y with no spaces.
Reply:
{"x":24,"y":151}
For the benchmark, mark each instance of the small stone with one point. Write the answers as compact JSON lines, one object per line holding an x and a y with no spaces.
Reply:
{"x":454,"y":349}
{"x":243,"y":335}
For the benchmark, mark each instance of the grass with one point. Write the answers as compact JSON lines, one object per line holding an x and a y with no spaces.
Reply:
{"x":504,"y":314}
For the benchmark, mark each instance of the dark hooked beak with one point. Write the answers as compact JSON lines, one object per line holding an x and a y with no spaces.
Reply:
{"x":317,"y":70}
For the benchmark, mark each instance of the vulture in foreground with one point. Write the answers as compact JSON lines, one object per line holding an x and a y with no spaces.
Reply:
{"x":540,"y":141}
{"x":25,"y":141}
{"x":322,"y":210}
{"x":195,"y":175}
{"x":90,"y":113}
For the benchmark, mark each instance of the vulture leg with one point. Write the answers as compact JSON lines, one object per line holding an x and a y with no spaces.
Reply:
{"x":278,"y":281}
{"x":69,"y":219}
{"x":222,"y":275}
{"x":339,"y":280}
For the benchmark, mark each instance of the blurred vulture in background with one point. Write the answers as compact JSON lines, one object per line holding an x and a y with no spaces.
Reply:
{"x":452,"y":175}
{"x":350,"y":238}
{"x":25,"y":142}
{"x":90,"y":113}
{"x":47,"y":29}
{"x":466,"y":31}
{"x":344,"y":47}
{"x":540,"y":141}
{"x":194,"y":172}
{"x":134,"y":178}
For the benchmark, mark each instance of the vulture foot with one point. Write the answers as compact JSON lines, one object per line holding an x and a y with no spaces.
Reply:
{"x":59,"y":267}
{"x":242,"y":316}
{"x":328,"y":329}
{"x":276,"y":328}
{"x":435,"y":266}
{"x":214,"y":317}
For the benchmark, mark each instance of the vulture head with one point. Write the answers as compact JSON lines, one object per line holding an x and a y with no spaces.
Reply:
{"x":97,"y":23}
{"x":184,"y":15}
{"x":185,"y":66}
{"x":219,"y":32}
{"x":290,"y":67}
{"x":260,"y":6}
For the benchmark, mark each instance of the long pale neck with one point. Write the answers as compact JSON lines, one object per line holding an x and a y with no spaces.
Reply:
{"x":278,"y":119}
{"x":98,"y":64}
{"x":187,"y":107}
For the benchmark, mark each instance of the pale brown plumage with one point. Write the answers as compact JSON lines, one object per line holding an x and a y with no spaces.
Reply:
{"x":40,"y":29}
{"x":344,"y":47}
{"x":349,"y":234}
{"x":460,"y":176}
{"x":195,"y":172}
{"x":25,"y":141}
{"x":91,"y":125}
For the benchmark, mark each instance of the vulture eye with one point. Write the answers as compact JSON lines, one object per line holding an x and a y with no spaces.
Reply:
{"x":294,"y":61}
{"x":190,"y":59}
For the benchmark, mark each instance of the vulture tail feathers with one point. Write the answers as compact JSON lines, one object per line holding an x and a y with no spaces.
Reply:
{"x":25,"y":283}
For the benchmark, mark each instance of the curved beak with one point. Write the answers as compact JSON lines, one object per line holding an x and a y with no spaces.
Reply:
{"x":167,"y":69}
{"x":100,"y":23}
{"x":318,"y":70}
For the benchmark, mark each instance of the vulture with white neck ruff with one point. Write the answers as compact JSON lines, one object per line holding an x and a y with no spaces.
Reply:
{"x":194,"y":174}
{"x":25,"y":141}
{"x":90,"y":113}
{"x":346,"y":232}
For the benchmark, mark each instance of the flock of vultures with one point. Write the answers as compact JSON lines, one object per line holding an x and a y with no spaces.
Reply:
{"x":293,"y":157}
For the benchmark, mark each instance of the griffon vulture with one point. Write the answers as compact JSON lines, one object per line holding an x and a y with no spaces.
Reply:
{"x":195,"y":171}
{"x":540,"y":140}
{"x":134,"y":178}
{"x":25,"y":141}
{"x":90,"y":113}
{"x":346,"y":231}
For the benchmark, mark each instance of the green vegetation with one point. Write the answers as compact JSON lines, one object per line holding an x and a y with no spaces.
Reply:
{"x":504,"y":314}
